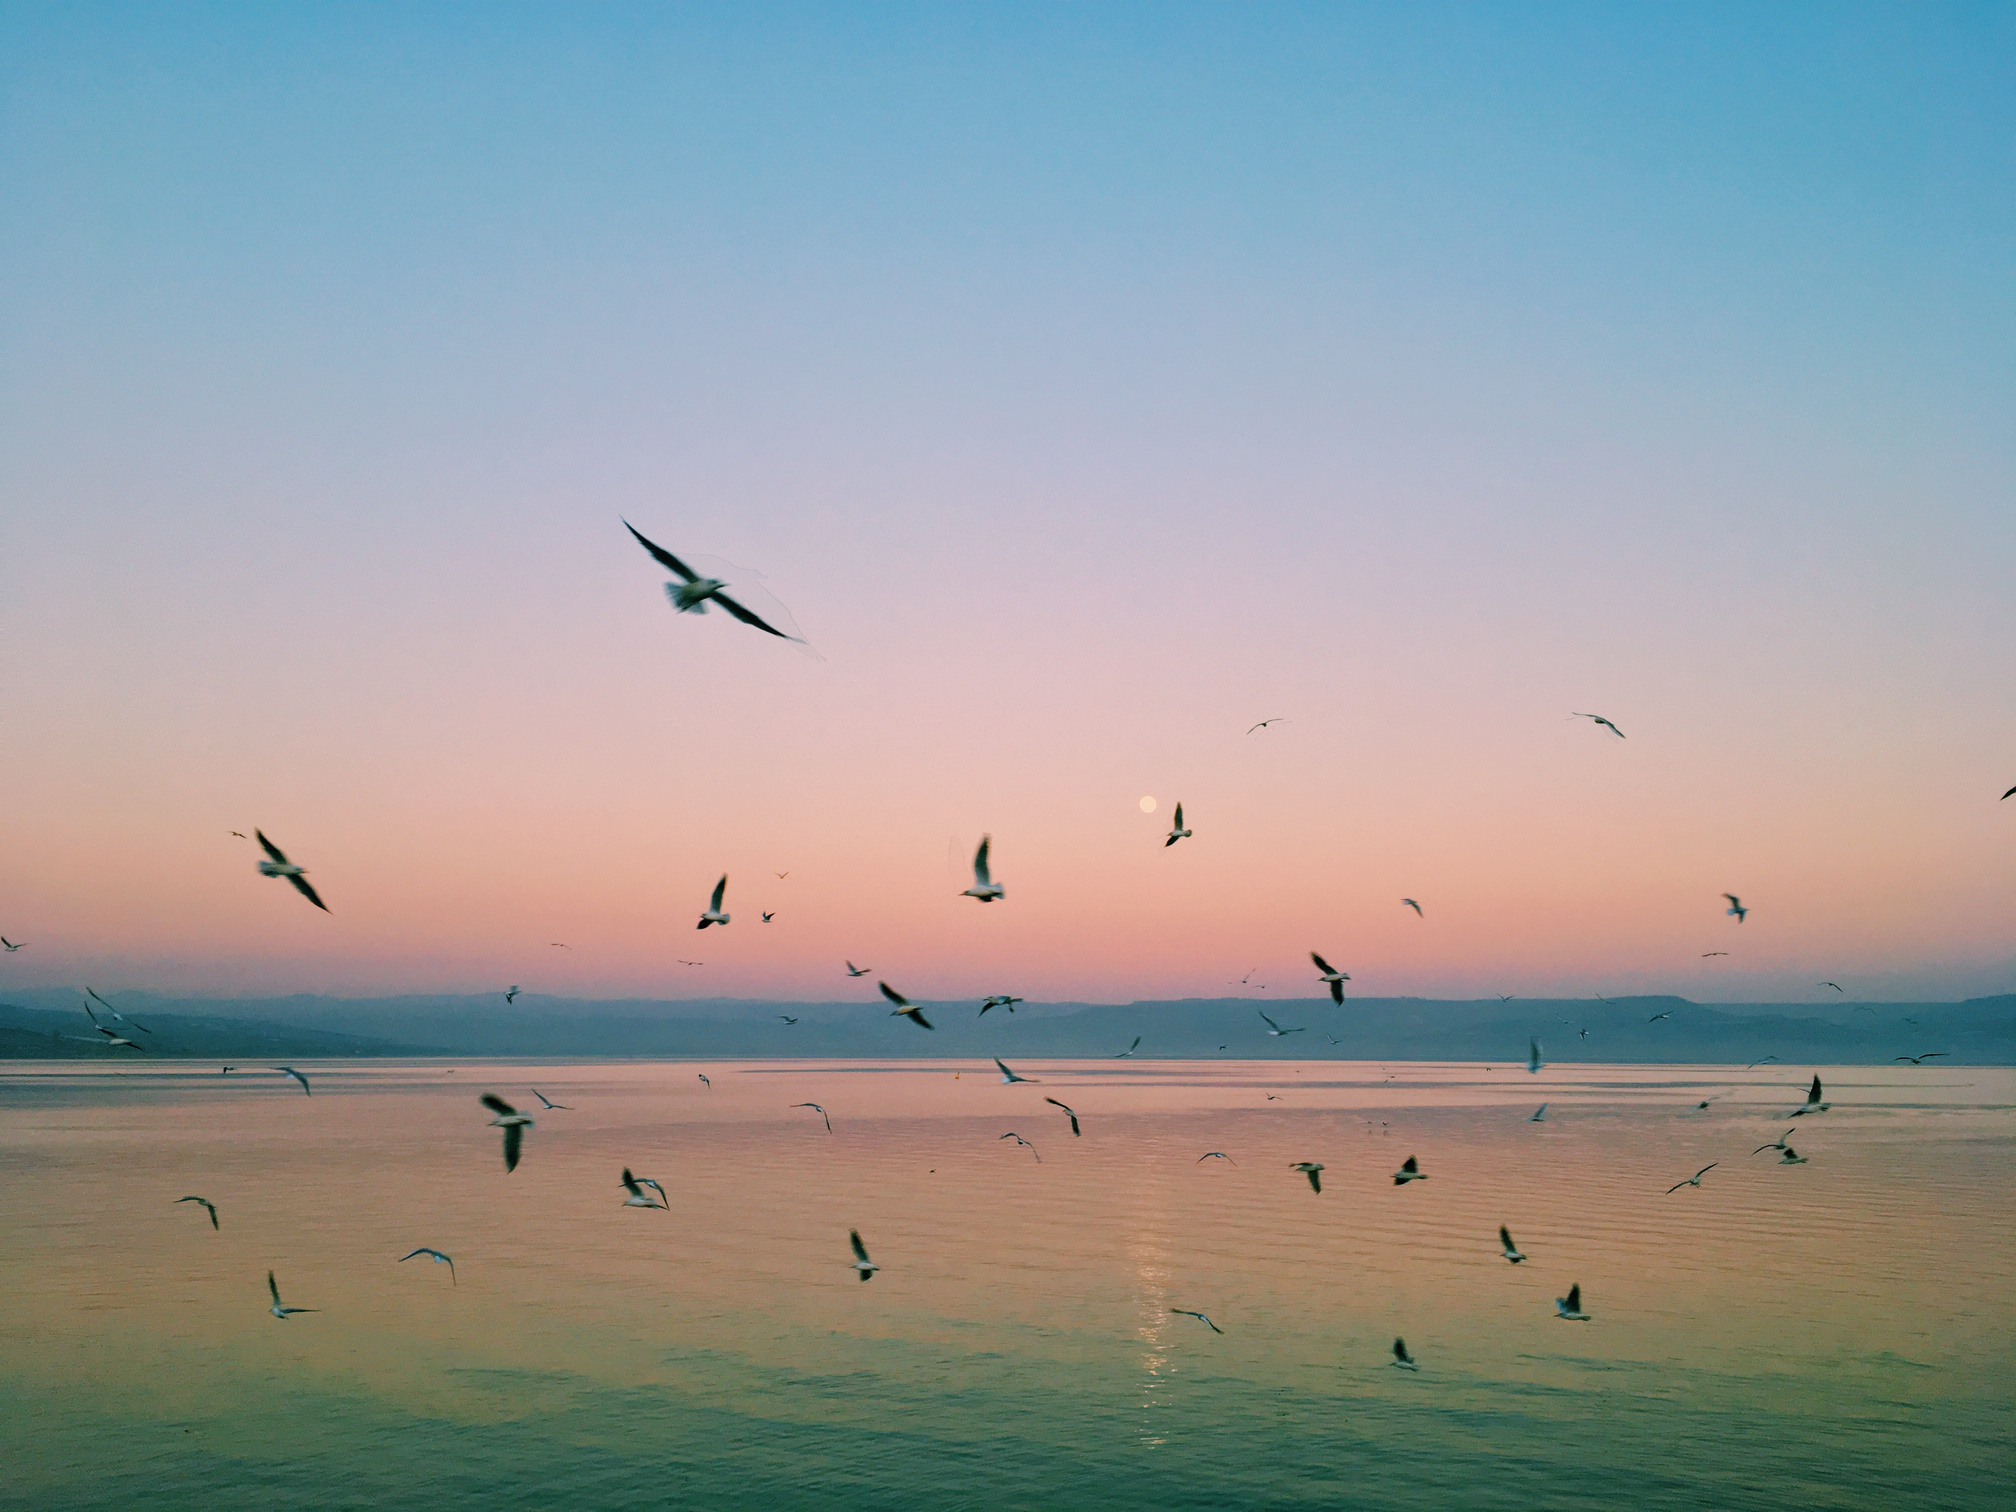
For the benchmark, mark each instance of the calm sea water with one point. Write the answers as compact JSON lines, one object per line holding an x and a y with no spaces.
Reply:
{"x":1837,"y":1334}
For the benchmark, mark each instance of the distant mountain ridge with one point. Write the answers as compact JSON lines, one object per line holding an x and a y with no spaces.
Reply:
{"x":1639,"y":1029}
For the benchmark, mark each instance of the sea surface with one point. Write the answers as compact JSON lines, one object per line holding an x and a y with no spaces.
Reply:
{"x":1838,"y":1334}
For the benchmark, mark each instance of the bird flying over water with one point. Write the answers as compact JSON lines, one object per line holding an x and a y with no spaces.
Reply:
{"x":1415,"y":906}
{"x":714,"y":914}
{"x":820,"y":1111}
{"x":1410,"y":1170}
{"x":1776,"y":1144}
{"x":1214,"y":1155}
{"x":1919,"y":1060}
{"x":999,"y":1000}
{"x":1694,"y":1180}
{"x":1274,"y":1030}
{"x":984,"y":887}
{"x":1185,"y":1312}
{"x":511,"y":994}
{"x":1313,"y":1169}
{"x":1835,"y":985}
{"x":1813,"y":1102}
{"x":512,"y":1122}
{"x":1130,"y":1049}
{"x":1658,"y":1016}
{"x":279,"y":1310}
{"x":694,"y":592}
{"x":208,"y":1206}
{"x":1791,"y":1157}
{"x":1533,"y":1061}
{"x":1025,"y":1144}
{"x":1756,"y":1063}
{"x":1539,"y":1114}
{"x":787,"y":1018}
{"x":1069,"y":1113}
{"x":437,"y":1257}
{"x":904,"y":1006}
{"x":545,"y":1103}
{"x":306,"y":1090}
{"x":1008,"y":1076}
{"x":704,"y":1081}
{"x":1570,"y":1306}
{"x":122,"y":1018}
{"x":857,"y":971}
{"x":1603,"y":722}
{"x":280,"y":866}
{"x":1401,"y":1359}
{"x":634,"y":1187}
{"x":1509,"y":1249}
{"x":862,"y":1263}
{"x":1331,"y":977}
{"x":1176,"y":830}
{"x":1736,"y":910}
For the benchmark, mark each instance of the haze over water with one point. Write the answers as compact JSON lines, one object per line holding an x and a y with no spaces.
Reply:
{"x":1827,"y":1335}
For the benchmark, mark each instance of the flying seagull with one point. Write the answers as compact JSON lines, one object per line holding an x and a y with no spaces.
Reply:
{"x":904,"y":1006}
{"x":1813,"y":1102}
{"x":984,"y":887}
{"x":1658,"y":1016}
{"x":1401,"y":1359}
{"x":280,"y":866}
{"x":114,"y":1012}
{"x":1736,"y":910}
{"x":1130,"y":1049}
{"x":1533,"y":1061}
{"x":11,"y":945}
{"x":1538,"y":1115}
{"x":1415,"y":906}
{"x":684,"y":962}
{"x":1919,"y":1060}
{"x":787,"y":1018}
{"x":693,"y":593}
{"x":704,"y":1081}
{"x":1791,"y":1157}
{"x":862,"y":1263}
{"x":1274,"y":1030}
{"x":635,"y":1190}
{"x":290,"y":1071}
{"x":512,"y":1122}
{"x":1176,"y":830}
{"x":1069,"y":1113}
{"x":1331,"y":977}
{"x":112,"y":1036}
{"x":1835,"y":985}
{"x":511,"y":996}
{"x":1214,"y":1155}
{"x":1185,"y":1312}
{"x":1694,"y":1180}
{"x":1278,"y":719}
{"x":1008,"y":1076}
{"x":546,"y":1103}
{"x":782,"y":875}
{"x":820,"y":1111}
{"x":714,"y":914}
{"x":1776,"y":1144}
{"x":1313,"y":1170}
{"x":1603,"y":722}
{"x":1506,"y":997}
{"x":1707,"y":953}
{"x":999,"y":1000}
{"x":437,"y":1257}
{"x":1570,"y":1306}
{"x":1410,"y":1170}
{"x":1025,"y":1144}
{"x":208,"y":1206}
{"x":1509,"y":1249}
{"x":855,"y":971}
{"x":768,"y":916}
{"x":283,"y":1313}
{"x":1756,"y":1063}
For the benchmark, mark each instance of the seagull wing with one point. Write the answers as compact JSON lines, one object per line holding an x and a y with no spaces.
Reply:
{"x":1409,"y":1164}
{"x":1706,"y":1169}
{"x":496,"y":1104}
{"x":271,"y":849}
{"x":860,"y":1249}
{"x":919,"y":1019}
{"x":659,"y":554}
{"x":1322,"y":965}
{"x":303,"y":887}
{"x":1505,"y":1237}
{"x":514,"y":1142}
{"x":1270,"y":1023}
{"x":630,"y":1183}
{"x":749,"y":618}
{"x":893,"y":995}
{"x":1574,"y":1297}
{"x":980,"y":877}
{"x":721,"y":887}
{"x":1813,"y":1092}
{"x":273,"y":1287}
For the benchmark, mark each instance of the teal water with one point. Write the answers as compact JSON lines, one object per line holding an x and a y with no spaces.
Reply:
{"x":1835,"y":1334}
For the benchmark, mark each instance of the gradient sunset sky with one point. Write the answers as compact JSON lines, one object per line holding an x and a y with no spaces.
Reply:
{"x":1091,"y":383}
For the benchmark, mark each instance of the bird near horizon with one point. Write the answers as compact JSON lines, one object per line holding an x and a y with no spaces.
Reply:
{"x":1401,"y":1359}
{"x":1331,"y":977}
{"x":208,"y":1206}
{"x":858,"y":971}
{"x":704,"y":1080}
{"x":1694,"y":1180}
{"x":714,"y":915}
{"x":437,"y":1257}
{"x":820,"y":1111}
{"x":863,"y":1266}
{"x":1599,"y":719}
{"x":999,"y":1000}
{"x":1266,"y":722}
{"x":512,"y":1122}
{"x":1070,"y":1113}
{"x":511,"y":993}
{"x":279,"y":1309}
{"x":279,"y":866}
{"x":1274,"y":1030}
{"x":12,"y":945}
{"x":1507,"y":1247}
{"x":1919,"y":1060}
{"x":122,"y":1018}
{"x":1813,"y":1101}
{"x":1533,"y":1061}
{"x":1836,"y":986}
{"x":1184,"y":1312}
{"x":1176,"y":830}
{"x":1538,"y":1115}
{"x":1215,"y":1155}
{"x":1313,"y":1169}
{"x":1570,"y":1306}
{"x":1658,"y":1016}
{"x":1008,"y":1077}
{"x":1124,"y":1054}
{"x":1415,"y":906}
{"x":1410,"y":1170}
{"x":1758,"y":1062}
{"x":984,"y":887}
{"x":306,"y":1090}
{"x":904,"y":1007}
{"x":787,"y":1018}
{"x":1736,"y":910}
{"x":633,"y":1188}
{"x":545,"y":1103}
{"x":1024,"y":1143}
{"x":693,"y":593}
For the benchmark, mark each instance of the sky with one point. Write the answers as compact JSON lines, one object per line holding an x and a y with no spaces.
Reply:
{"x":1090,"y":383}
